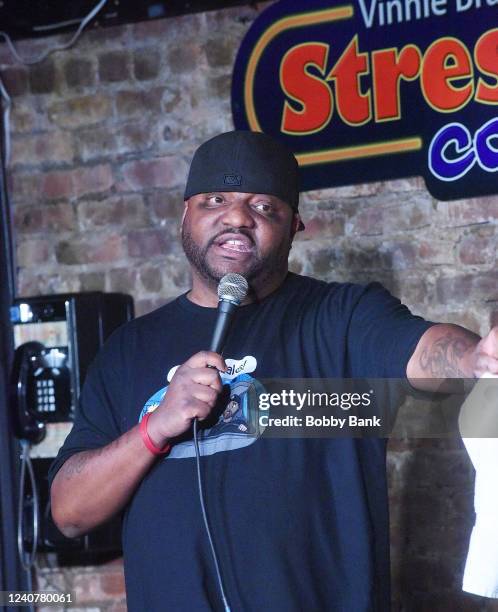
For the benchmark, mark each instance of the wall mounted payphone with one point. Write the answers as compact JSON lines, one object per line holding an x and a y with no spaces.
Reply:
{"x":56,"y":338}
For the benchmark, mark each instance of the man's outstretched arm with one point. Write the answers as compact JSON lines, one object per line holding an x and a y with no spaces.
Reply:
{"x":450,"y":351}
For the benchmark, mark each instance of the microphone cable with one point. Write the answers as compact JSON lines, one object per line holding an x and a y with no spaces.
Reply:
{"x":232,"y":290}
{"x":205,"y":518}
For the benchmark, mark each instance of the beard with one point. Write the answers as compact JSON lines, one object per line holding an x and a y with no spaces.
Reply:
{"x":256,"y":272}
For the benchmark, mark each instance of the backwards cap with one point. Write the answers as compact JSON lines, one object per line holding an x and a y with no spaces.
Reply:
{"x":247,"y":162}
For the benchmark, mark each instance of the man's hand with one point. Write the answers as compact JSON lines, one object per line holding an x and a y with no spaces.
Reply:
{"x":193,"y":392}
{"x":95,"y":484}
{"x":485,"y":356}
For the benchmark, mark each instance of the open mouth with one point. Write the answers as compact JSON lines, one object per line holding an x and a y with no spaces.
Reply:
{"x":238,"y":244}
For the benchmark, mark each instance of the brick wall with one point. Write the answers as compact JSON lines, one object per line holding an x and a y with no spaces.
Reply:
{"x":102,"y":136}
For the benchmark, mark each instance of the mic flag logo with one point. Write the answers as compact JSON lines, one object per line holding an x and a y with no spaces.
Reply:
{"x":376,"y":89}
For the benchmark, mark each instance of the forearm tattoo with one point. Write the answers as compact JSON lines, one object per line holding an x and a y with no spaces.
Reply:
{"x":443,"y":359}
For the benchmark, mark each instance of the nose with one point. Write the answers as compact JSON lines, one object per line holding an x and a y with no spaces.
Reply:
{"x":238,"y":214}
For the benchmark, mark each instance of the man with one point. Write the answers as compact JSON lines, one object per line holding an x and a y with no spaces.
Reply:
{"x":298,"y":524}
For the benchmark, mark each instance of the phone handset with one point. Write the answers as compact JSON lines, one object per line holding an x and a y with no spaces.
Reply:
{"x":26,"y":424}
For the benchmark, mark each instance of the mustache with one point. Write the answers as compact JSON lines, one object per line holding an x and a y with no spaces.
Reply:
{"x":235,"y":232}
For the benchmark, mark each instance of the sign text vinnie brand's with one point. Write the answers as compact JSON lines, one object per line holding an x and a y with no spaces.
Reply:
{"x":377,"y":89}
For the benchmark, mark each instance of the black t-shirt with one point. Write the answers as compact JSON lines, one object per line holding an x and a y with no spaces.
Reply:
{"x":298,"y":524}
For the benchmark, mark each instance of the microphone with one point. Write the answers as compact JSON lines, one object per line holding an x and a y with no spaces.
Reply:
{"x":232,"y":290}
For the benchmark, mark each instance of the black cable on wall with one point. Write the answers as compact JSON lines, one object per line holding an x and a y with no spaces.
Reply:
{"x":12,"y":577}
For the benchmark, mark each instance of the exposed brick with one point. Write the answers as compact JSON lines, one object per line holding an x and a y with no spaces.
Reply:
{"x":57,"y":184}
{"x":465,"y":318}
{"x":129,"y":103}
{"x":49,"y":218}
{"x":80,"y":111}
{"x":403,"y":185}
{"x":123,"y":280}
{"x":219,"y":85}
{"x":136,"y":137}
{"x":464,"y":287}
{"x":148,"y":243}
{"x":399,"y":255}
{"x":468,"y":212}
{"x":325,"y":224}
{"x":92,"y":281}
{"x":24,"y":186}
{"x":92,"y":179}
{"x":112,"y":583}
{"x":35,"y":283}
{"x":412,"y":290}
{"x":50,"y":579}
{"x":113,"y":66}
{"x":184,"y":58}
{"x":95,"y":249}
{"x":435,"y":252}
{"x":150,"y":277}
{"x":219,"y":52}
{"x":128,"y":210}
{"x":168,"y":171}
{"x":87,"y":588}
{"x":366,"y":258}
{"x":146,"y":64}
{"x":172,"y":101}
{"x":15,"y":80}
{"x":167,"y":205}
{"x":34,"y":252}
{"x":96,"y":142}
{"x":23,"y":119}
{"x":175,"y":95}
{"x":55,"y":146}
{"x":347,"y":191}
{"x":79,"y":72}
{"x":367,"y":222}
{"x":409,"y":215}
{"x":42,"y":77}
{"x":324,"y":260}
{"x":479,"y":246}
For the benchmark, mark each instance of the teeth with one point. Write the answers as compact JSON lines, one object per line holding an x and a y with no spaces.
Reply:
{"x":236,"y":245}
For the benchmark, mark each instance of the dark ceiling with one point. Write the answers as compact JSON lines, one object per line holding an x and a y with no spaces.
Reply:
{"x":36,"y":18}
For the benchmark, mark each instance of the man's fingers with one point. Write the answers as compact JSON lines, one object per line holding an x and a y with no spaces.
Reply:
{"x":485,"y":363}
{"x":205,"y":394}
{"x":205,"y":376}
{"x":198,"y":409}
{"x":203,"y":359}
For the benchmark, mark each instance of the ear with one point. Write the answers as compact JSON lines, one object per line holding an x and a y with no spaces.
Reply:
{"x":297,"y":225}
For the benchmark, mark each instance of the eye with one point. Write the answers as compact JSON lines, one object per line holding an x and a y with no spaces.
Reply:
{"x":215,"y":199}
{"x":262,"y":206}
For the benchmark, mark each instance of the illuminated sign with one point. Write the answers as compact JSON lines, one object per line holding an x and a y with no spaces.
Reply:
{"x":377,"y":89}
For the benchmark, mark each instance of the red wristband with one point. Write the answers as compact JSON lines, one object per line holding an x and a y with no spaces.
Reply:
{"x":146,"y":438}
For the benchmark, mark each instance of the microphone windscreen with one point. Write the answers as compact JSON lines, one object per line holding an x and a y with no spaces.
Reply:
{"x":233,"y":287}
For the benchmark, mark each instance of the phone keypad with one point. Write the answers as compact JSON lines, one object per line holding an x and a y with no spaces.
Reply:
{"x":45,"y":395}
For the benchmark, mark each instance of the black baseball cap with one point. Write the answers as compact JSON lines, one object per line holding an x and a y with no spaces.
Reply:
{"x":247,"y":162}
